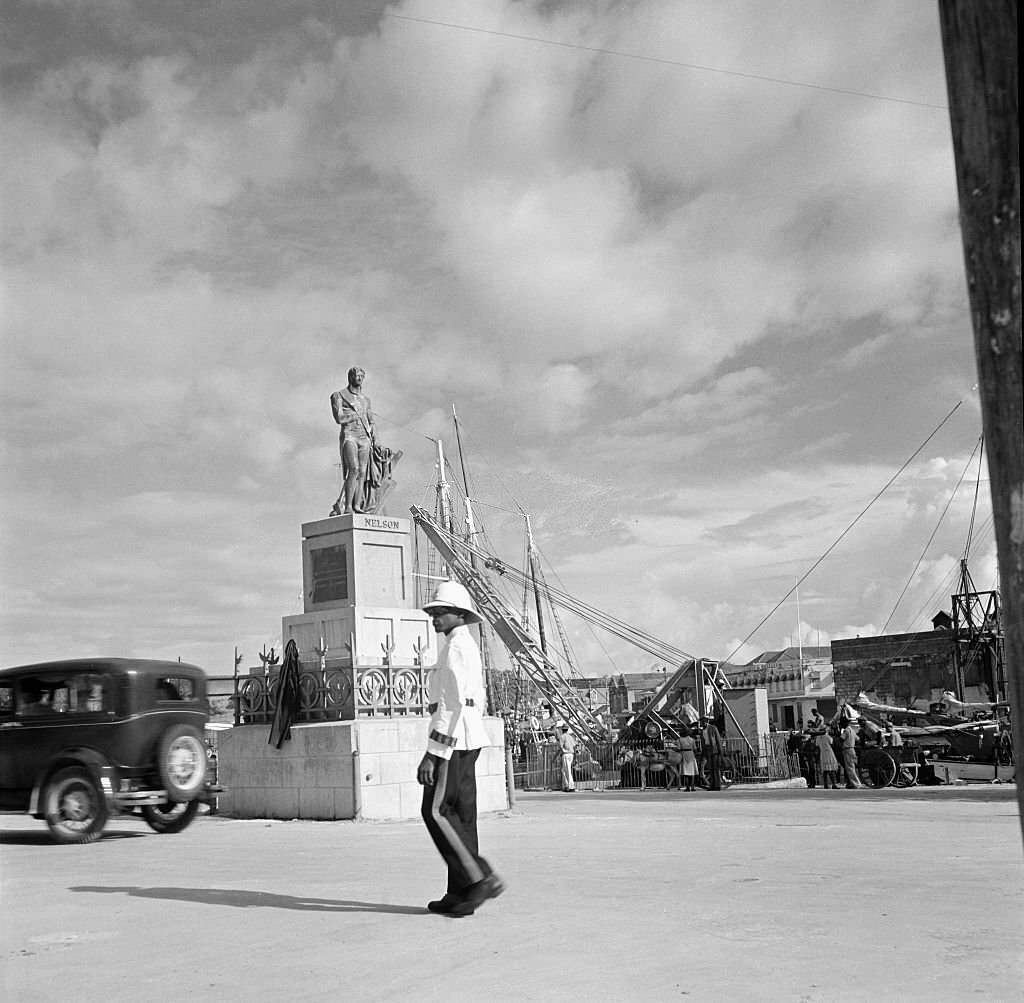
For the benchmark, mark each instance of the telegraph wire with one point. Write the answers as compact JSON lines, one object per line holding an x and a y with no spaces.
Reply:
{"x":641,"y":57}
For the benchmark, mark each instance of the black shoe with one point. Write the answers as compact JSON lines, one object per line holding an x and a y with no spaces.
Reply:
{"x":476,"y":895}
{"x":444,"y":905}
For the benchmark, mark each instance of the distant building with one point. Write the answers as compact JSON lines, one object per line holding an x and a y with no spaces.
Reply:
{"x":911,"y":670}
{"x":622,"y":693}
{"x":797,"y":681}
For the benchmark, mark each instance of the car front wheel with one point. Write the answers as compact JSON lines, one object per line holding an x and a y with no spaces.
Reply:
{"x":181,"y":758}
{"x":171,"y":816}
{"x":75,"y":808}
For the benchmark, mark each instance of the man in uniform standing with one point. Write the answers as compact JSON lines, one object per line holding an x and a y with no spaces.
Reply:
{"x":849,"y":734}
{"x":567,"y":747}
{"x":352,"y":411}
{"x":455,"y":690}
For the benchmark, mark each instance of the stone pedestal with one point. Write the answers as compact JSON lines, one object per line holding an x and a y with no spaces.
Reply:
{"x":358,"y":596}
{"x":342,"y":770}
{"x":362,"y":729}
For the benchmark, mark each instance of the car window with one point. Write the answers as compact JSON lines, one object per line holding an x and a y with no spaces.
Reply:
{"x":175,"y":688}
{"x":89,"y":693}
{"x":35,"y":697}
{"x":83,"y":693}
{"x":6,"y":698}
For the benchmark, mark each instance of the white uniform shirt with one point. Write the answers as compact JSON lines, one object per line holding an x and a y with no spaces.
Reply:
{"x":455,"y":690}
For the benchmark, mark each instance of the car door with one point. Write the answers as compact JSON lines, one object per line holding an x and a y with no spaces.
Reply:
{"x":9,"y":796}
{"x":53,"y":713}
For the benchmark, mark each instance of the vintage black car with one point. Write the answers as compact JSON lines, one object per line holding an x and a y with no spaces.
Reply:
{"x":84,"y":738}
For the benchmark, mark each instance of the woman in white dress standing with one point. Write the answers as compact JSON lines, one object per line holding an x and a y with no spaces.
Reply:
{"x":829,"y":763}
{"x":688,"y":767}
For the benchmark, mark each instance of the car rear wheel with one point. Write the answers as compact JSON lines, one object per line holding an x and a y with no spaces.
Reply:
{"x":181,"y":759}
{"x":171,"y":816}
{"x":75,"y":808}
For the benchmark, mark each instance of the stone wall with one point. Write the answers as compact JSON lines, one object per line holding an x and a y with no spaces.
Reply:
{"x":894,"y":667}
{"x":362,"y":769}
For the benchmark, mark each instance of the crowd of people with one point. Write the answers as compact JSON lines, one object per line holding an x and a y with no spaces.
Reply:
{"x":832,"y":753}
{"x":829,"y":751}
{"x":695,"y":754}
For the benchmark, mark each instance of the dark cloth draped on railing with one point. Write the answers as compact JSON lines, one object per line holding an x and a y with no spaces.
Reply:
{"x":288,"y":697}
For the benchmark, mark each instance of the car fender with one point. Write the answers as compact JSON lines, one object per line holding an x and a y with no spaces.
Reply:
{"x":97,"y":764}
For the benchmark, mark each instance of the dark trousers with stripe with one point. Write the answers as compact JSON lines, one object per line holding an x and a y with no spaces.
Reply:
{"x":449,"y":811}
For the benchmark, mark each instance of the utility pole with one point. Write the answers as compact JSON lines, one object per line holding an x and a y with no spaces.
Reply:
{"x":979,"y":40}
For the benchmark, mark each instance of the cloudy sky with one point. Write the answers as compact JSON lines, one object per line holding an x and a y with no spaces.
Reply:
{"x":690,"y":272}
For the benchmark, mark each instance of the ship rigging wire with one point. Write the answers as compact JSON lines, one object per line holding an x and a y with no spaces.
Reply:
{"x":906,"y":463}
{"x":645,"y":641}
{"x":517,"y":577}
{"x":913,"y":573}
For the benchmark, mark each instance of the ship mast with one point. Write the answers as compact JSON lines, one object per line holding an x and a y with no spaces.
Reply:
{"x":531,"y":556}
{"x":485,"y":649}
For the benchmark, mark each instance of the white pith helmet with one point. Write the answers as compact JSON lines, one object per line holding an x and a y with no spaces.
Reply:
{"x":452,"y":595}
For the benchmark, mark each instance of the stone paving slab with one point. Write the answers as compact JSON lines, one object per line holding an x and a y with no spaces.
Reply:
{"x":621,"y":895}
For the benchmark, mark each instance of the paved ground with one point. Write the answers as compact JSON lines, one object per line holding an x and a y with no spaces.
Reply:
{"x":621,"y":895}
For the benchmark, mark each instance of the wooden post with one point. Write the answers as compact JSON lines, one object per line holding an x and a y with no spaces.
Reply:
{"x":510,"y":777}
{"x":979,"y":39}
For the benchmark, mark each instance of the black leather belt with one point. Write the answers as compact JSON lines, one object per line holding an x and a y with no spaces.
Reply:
{"x":431,"y":707}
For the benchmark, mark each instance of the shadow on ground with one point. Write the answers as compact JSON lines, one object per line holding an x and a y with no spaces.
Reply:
{"x":244,"y":899}
{"x":22,"y":837}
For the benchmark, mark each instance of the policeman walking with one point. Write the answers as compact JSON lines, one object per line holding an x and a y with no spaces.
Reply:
{"x":455,"y":691}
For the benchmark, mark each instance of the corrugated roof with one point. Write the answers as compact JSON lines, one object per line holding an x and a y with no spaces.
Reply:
{"x":792,"y":654}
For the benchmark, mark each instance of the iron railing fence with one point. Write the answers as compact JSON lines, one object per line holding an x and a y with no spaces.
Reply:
{"x":341,"y":693}
{"x":605,"y":765}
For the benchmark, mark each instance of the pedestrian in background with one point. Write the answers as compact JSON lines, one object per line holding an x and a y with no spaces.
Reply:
{"x":567,"y":747}
{"x":808,"y":753}
{"x":688,"y":766}
{"x":849,"y":739}
{"x":827,"y":760}
{"x":713,"y":744}
{"x":794,"y":741}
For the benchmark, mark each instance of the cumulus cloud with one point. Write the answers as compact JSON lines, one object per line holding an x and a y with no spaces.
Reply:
{"x":690,"y":275}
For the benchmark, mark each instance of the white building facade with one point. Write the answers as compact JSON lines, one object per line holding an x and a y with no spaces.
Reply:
{"x":797,"y":681}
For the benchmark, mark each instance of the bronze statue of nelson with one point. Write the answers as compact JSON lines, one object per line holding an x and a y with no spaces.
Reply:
{"x":366,"y":465}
